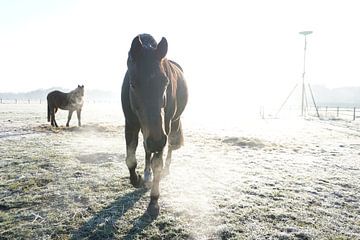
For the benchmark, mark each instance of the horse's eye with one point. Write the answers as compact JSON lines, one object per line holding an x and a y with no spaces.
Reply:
{"x":132,"y":85}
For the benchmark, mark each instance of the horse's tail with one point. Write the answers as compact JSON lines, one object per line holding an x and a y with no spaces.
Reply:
{"x":48,"y":112}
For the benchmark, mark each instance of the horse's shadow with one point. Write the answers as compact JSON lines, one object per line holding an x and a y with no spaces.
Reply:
{"x":102,"y":224}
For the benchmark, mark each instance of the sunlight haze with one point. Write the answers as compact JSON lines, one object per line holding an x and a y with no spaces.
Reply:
{"x":233,"y":147}
{"x":240,"y":50}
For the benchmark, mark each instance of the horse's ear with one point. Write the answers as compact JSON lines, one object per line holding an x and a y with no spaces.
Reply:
{"x":162,"y":48}
{"x":135,"y":49}
{"x":78,"y":85}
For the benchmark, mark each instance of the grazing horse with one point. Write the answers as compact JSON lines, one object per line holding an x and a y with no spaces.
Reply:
{"x":154,"y":95}
{"x":67,"y":101}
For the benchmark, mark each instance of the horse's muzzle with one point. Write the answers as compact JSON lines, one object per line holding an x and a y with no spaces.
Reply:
{"x":155,"y":145}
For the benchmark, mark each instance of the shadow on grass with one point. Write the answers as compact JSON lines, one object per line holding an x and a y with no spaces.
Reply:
{"x":102,"y":225}
{"x":140,"y":224}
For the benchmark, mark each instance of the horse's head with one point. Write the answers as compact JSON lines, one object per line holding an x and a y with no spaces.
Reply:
{"x":148,"y":84}
{"x":79,"y":91}
{"x":78,"y":94}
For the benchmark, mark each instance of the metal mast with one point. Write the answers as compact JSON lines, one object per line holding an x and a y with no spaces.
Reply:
{"x":305,"y":33}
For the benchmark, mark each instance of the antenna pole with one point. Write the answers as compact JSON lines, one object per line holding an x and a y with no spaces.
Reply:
{"x":303,"y":82}
{"x":305,"y":33}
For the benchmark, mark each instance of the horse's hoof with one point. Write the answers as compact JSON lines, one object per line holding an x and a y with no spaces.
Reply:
{"x":138,"y":182}
{"x":153,"y":210}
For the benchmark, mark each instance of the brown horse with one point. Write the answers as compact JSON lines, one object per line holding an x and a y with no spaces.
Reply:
{"x":154,"y":95}
{"x":72,"y":101}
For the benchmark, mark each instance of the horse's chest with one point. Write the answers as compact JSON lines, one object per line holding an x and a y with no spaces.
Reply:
{"x":72,"y":106}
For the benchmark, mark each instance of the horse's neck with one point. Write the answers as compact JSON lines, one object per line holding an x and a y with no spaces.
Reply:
{"x":74,"y":99}
{"x":72,"y":93}
{"x":71,"y":97}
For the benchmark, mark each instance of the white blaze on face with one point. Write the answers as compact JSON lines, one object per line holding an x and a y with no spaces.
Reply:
{"x":162,"y":112}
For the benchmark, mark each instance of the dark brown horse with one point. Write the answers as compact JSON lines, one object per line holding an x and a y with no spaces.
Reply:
{"x":72,"y":101}
{"x":154,"y":95}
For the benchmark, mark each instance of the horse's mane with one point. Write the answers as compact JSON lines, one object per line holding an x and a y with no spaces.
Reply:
{"x":72,"y":96}
{"x":73,"y":91}
{"x":176,"y":64}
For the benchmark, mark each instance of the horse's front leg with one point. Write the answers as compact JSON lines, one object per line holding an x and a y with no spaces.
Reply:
{"x":78,"y":112}
{"x":156,"y":165}
{"x":69,"y":117}
{"x":131,"y":137}
{"x":147,"y":170}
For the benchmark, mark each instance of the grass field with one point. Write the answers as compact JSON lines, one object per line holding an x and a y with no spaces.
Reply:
{"x":260,"y":179}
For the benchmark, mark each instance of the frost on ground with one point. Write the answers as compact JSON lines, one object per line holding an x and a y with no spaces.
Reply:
{"x":262,"y":179}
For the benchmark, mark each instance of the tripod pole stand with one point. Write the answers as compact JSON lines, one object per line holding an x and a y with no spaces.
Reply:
{"x":304,"y":103}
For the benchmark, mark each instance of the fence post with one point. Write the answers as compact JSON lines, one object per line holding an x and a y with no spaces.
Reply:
{"x":1,"y":101}
{"x":29,"y":101}
{"x":262,"y":112}
{"x":15,"y":101}
{"x":337,"y":111}
{"x":326,"y":111}
{"x":354,"y":114}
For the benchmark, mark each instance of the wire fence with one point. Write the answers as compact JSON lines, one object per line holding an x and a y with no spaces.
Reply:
{"x":323,"y":112}
{"x":44,"y":101}
{"x":21,"y":101}
{"x":348,"y":113}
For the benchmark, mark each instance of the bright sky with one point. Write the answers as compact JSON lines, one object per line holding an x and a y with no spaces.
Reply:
{"x":233,"y":50}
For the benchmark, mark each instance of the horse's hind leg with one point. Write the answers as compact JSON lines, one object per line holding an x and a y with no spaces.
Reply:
{"x":166,"y":170}
{"x":176,"y":140}
{"x":53,"y":121}
{"x":52,"y":116}
{"x":51,"y":110}
{"x":131,"y":137}
{"x":69,"y":117}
